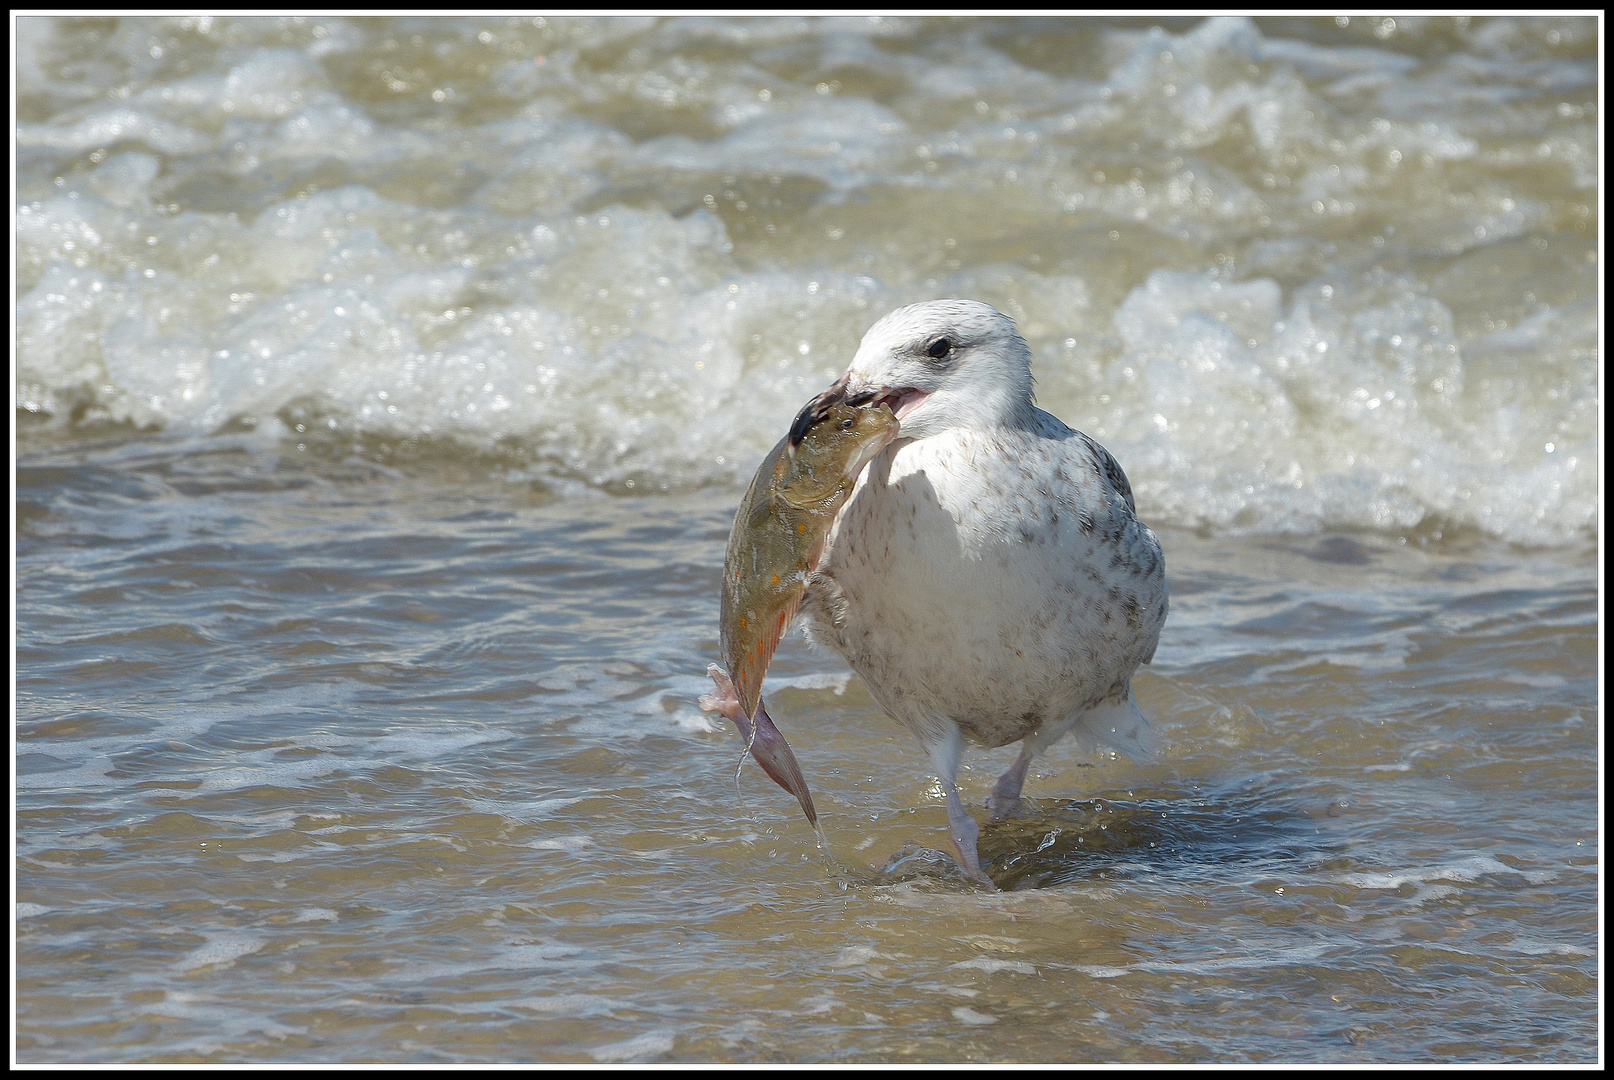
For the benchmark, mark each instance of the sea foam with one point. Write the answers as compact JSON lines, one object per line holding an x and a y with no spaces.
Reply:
{"x":1295,"y":285}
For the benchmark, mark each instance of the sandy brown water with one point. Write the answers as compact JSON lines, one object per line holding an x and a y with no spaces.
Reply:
{"x":321,"y":763}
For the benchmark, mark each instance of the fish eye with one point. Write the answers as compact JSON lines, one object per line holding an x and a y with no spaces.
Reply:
{"x":939,"y":348}
{"x":846,"y":425}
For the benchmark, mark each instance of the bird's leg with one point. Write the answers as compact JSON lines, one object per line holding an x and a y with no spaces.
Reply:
{"x":960,"y":823}
{"x":1005,"y":795}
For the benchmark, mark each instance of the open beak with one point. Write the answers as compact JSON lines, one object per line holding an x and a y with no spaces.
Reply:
{"x":818,"y":408}
{"x":901,"y":399}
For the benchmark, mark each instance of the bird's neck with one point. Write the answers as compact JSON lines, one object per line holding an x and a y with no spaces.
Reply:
{"x":1010,"y":408}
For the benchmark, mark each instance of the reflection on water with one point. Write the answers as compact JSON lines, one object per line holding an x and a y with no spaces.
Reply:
{"x":1070,"y":841}
{"x":1049,"y":843}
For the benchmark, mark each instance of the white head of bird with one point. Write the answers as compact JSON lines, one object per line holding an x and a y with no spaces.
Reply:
{"x":944,"y":364}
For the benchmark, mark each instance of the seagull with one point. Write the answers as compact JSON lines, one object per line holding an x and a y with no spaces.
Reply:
{"x":988,"y":579}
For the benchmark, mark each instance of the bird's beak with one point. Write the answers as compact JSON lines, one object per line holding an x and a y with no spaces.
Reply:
{"x":838,"y":393}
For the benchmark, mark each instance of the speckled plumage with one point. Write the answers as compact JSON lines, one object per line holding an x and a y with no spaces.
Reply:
{"x":988,"y":579}
{"x":996,"y":580}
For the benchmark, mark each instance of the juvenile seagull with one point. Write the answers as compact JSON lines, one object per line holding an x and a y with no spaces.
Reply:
{"x":988,"y":579}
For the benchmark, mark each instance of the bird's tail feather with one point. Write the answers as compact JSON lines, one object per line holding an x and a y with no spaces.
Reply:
{"x":1119,"y":724}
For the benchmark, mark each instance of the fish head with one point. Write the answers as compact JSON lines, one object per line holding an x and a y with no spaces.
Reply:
{"x":941,"y":364}
{"x":833,"y":449}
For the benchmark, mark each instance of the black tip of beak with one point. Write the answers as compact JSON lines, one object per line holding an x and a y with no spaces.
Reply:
{"x":810,"y":414}
{"x":818,"y":408}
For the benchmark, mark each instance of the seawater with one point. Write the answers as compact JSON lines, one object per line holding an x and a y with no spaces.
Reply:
{"x":383,"y":392}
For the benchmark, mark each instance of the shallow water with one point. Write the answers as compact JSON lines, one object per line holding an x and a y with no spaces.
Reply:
{"x":359,"y":633}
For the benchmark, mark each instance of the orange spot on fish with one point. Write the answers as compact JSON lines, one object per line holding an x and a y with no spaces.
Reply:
{"x":742,"y":622}
{"x":776,"y":579}
{"x":801,"y":528}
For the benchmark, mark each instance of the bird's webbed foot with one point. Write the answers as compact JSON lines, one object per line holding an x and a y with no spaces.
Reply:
{"x":1001,"y":809}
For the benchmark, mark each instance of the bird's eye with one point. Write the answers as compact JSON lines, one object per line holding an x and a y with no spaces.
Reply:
{"x":939,"y":348}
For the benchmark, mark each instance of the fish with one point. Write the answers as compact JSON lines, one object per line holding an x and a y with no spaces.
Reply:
{"x":774,"y":545}
{"x":779,"y":533}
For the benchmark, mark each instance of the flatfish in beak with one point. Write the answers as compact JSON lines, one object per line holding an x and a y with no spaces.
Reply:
{"x":777,"y":539}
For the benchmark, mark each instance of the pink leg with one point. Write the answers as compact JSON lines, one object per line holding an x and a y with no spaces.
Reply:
{"x":966,"y":834}
{"x":1005,"y":795}
{"x":960,"y":824}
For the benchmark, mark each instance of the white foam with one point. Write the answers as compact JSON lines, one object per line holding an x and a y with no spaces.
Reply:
{"x":221,"y":952}
{"x":273,"y":857}
{"x":579,"y":308}
{"x":535,"y":955}
{"x":990,"y":965}
{"x":644,"y":1047}
{"x":270,"y":773}
{"x":111,"y":125}
{"x":1302,"y":954}
{"x":1542,"y":948}
{"x":570,"y":1005}
{"x":966,"y":1015}
{"x":954,"y":991}
{"x":842,"y":142}
{"x":835,"y":681}
{"x":429,"y":745}
{"x":1463,"y":870}
{"x":316,"y":914}
{"x":696,"y":721}
{"x":1102,"y":971}
{"x":1305,"y":413}
{"x":537,"y":810}
{"x":855,"y":956}
{"x":574,"y":844}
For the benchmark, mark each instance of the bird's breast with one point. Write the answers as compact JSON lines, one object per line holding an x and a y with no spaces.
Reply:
{"x":981,"y":576}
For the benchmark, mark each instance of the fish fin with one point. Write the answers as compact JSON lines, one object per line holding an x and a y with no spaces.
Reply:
{"x":774,"y":755}
{"x":815,"y":555}
{"x":751,"y":696}
{"x":727,"y":702}
{"x":763,"y":741}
